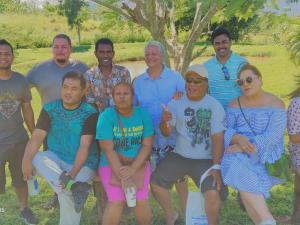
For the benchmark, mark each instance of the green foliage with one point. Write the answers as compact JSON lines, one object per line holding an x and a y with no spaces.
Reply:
{"x":76,"y":12}
{"x":54,"y":9}
{"x":294,"y":41}
{"x":119,"y":30}
{"x":240,"y":10}
{"x":281,"y":168}
{"x":37,"y":30}
{"x":243,"y":9}
{"x":236,"y":16}
{"x":273,"y":26}
{"x":16,"y":6}
{"x":32,"y":30}
{"x":239,"y":17}
{"x":109,"y":19}
{"x":184,"y":14}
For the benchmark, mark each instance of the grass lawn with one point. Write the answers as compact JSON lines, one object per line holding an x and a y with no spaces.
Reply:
{"x":278,"y":77}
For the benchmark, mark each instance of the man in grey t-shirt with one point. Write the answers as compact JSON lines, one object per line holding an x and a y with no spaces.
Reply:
{"x":198,"y":120}
{"x":15,"y":105}
{"x":46,"y":77}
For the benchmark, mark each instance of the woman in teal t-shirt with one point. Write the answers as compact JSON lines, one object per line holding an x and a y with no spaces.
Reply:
{"x":125,"y":137}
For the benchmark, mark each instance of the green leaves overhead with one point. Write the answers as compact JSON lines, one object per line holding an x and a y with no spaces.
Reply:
{"x":294,"y":45}
{"x":227,"y":9}
{"x":241,"y":9}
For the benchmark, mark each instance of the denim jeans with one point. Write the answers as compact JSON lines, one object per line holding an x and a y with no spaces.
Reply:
{"x":49,"y":166}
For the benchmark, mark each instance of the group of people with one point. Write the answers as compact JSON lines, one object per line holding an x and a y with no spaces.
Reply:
{"x":163,"y":128}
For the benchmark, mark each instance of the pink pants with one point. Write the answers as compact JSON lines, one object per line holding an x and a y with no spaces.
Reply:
{"x":115,"y":193}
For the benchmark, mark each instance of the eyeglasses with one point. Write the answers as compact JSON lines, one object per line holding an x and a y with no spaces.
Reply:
{"x":247,"y":80}
{"x":195,"y":81}
{"x":226,"y":73}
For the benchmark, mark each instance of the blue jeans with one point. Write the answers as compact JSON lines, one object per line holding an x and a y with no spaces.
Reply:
{"x":49,"y":166}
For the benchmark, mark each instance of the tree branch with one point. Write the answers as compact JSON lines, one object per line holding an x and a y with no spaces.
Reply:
{"x":114,"y":8}
{"x":198,"y":27}
{"x":197,"y":16}
{"x":199,"y":52}
{"x":151,"y":15}
{"x":138,"y":12}
{"x":199,"y":22}
{"x":172,"y":25}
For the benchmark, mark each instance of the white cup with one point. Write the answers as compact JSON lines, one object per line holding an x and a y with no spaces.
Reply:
{"x":130,"y":193}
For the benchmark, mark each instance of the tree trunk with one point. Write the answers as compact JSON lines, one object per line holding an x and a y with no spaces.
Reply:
{"x":185,"y":59}
{"x":78,"y":33}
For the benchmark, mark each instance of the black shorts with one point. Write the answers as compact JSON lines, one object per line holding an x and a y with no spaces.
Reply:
{"x":13,"y":157}
{"x":174,"y":167}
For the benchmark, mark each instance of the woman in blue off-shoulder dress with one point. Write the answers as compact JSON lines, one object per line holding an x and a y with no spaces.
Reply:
{"x":255,"y":128}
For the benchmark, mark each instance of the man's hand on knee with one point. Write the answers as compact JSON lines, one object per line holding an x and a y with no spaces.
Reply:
{"x":80,"y":190}
{"x":66,"y":181}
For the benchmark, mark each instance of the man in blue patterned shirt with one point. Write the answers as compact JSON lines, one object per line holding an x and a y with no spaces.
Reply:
{"x":104,"y":76}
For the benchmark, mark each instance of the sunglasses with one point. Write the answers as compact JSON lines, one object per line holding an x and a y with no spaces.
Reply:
{"x":247,"y":80}
{"x":226,"y":73}
{"x":195,"y":81}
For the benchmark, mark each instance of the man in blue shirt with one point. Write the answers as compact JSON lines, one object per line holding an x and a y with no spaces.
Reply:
{"x":223,"y":68}
{"x":154,"y":89}
{"x":69,"y":126}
